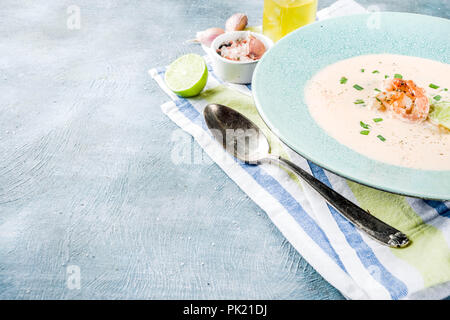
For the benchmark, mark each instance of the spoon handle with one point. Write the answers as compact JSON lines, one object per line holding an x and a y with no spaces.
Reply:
{"x":362,"y":219}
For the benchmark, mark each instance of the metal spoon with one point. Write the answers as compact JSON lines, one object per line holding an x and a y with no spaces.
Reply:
{"x":244,"y":140}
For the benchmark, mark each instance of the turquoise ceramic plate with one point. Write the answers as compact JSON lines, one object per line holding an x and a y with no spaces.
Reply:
{"x":281,"y":75}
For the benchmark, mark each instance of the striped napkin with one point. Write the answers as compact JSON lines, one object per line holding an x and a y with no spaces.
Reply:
{"x":355,"y":264}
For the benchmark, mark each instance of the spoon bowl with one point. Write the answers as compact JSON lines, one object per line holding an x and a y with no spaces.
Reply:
{"x":238,"y":135}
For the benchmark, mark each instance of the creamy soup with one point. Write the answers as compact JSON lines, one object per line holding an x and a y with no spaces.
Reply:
{"x":341,"y":100}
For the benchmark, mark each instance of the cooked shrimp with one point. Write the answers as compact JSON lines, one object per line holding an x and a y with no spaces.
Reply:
{"x":405,"y":100}
{"x":245,"y":50}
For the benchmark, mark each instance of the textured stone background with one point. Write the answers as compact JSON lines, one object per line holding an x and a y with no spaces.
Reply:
{"x":86,"y":173}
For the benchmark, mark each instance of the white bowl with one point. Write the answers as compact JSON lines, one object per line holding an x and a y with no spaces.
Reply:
{"x":240,"y":72}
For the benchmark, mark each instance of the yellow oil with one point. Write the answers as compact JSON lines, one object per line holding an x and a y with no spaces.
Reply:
{"x":283,"y":16}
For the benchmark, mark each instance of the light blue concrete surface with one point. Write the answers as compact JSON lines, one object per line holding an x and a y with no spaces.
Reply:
{"x":86,"y":177}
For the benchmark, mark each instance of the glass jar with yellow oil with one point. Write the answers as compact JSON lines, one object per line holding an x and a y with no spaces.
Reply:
{"x":284,"y":16}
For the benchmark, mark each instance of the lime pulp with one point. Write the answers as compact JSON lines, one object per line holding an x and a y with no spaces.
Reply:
{"x":440,"y":113}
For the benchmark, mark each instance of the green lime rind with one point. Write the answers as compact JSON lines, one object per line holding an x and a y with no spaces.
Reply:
{"x":187,"y":76}
{"x":440,"y":113}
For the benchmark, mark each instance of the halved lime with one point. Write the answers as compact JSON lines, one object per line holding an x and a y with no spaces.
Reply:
{"x":440,"y":113}
{"x":187,"y":76}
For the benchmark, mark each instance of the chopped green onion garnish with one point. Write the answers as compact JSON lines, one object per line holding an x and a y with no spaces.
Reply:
{"x":377,"y":119}
{"x":343,"y":80}
{"x":364,"y":125}
{"x":398,"y":76}
{"x":386,"y":76}
{"x":433,"y":86}
{"x":376,"y":89}
{"x":358,"y":87}
{"x":359,"y":101}
{"x":445,"y":89}
{"x":381,"y":137}
{"x":437,"y":98}
{"x":365,"y":132}
{"x":362,"y":70}
{"x":375,"y":71}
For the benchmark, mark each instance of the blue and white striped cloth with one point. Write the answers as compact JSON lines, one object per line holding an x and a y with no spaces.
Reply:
{"x":356,"y":265}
